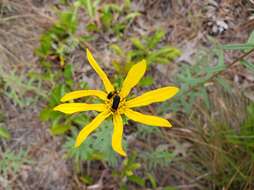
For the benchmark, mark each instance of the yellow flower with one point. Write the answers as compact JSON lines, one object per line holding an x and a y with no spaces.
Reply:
{"x":116,"y":104}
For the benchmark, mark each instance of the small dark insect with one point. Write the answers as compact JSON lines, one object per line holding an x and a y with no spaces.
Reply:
{"x":111,"y":94}
{"x":116,"y":102}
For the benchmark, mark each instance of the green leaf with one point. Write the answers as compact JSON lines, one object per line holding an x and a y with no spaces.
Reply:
{"x":152,"y":179}
{"x":119,"y":28}
{"x":80,"y":119}
{"x":131,"y":16}
{"x":146,"y":81}
{"x":4,"y":133}
{"x":136,"y":179}
{"x":68,"y":21}
{"x":134,"y":166}
{"x":68,"y":74}
{"x":137,"y":43}
{"x":59,"y":129}
{"x":220,"y":53}
{"x":117,"y":49}
{"x":106,"y":19}
{"x":45,"y":46}
{"x":164,"y":55}
{"x":250,"y":40}
{"x":90,"y":6}
{"x":86,"y":38}
{"x":246,"y":47}
{"x":248,"y":65}
{"x":127,"y":4}
{"x":92,"y":27}
{"x":224,"y":84}
{"x":88,"y":180}
{"x":45,"y":114}
{"x":155,"y":39}
{"x":124,"y":187}
{"x":56,"y":95}
{"x":204,"y":95}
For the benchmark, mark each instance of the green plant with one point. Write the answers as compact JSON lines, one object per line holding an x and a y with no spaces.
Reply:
{"x":60,"y":40}
{"x":225,"y":154}
{"x":161,"y":157}
{"x":145,"y":48}
{"x":127,"y":173}
{"x":4,"y":133}
{"x":113,"y":18}
{"x":18,"y":87}
{"x":116,"y":18}
{"x":10,"y":165}
{"x":96,"y":147}
{"x":90,"y":6}
{"x":221,"y":155}
{"x":196,"y":79}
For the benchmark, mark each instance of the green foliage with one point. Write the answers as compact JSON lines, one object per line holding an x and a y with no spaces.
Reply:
{"x":96,"y":147}
{"x":245,"y":47}
{"x":90,"y":6}
{"x":158,"y":158}
{"x":117,"y":18}
{"x":249,"y":45}
{"x":10,"y":165}
{"x":20,"y":87}
{"x":146,"y":81}
{"x":60,"y":39}
{"x":4,"y":133}
{"x":191,"y":76}
{"x":245,"y":137}
{"x":145,"y":132}
{"x":248,"y":65}
{"x":195,"y":79}
{"x":127,"y":172}
{"x":147,"y":47}
{"x":113,"y":18}
{"x":225,"y":154}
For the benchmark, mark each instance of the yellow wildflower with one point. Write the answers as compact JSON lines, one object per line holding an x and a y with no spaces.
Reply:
{"x":116,"y":104}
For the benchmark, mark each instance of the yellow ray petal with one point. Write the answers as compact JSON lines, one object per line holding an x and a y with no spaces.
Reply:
{"x":118,"y":134}
{"x":70,"y":108}
{"x":133,"y":77}
{"x":82,"y":93}
{"x":147,"y":119}
{"x":83,"y":134}
{"x":108,"y":86}
{"x":158,"y":95}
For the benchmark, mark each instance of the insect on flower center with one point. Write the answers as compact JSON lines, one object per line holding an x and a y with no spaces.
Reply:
{"x":114,"y":101}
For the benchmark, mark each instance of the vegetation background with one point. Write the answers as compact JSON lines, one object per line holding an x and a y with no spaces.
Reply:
{"x":203,"y":46}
